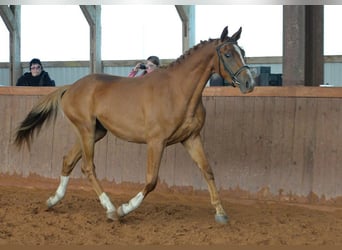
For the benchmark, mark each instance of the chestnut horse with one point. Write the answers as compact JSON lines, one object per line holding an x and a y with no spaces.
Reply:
{"x":159,"y":109}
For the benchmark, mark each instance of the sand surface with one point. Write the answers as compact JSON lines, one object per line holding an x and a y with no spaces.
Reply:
{"x":164,"y":218}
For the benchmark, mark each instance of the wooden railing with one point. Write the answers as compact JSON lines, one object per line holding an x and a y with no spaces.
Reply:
{"x":274,"y":143}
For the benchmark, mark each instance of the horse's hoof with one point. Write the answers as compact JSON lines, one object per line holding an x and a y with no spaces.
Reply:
{"x":112,"y":216}
{"x":221,"y":218}
{"x":50,"y":203}
{"x":120,"y":213}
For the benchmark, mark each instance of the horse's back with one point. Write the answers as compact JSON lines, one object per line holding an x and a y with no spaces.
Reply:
{"x":96,"y":80}
{"x":113,"y":100}
{"x":91,"y":84}
{"x":80,"y":95}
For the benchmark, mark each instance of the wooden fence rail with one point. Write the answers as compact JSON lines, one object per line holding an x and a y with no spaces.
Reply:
{"x":277,"y":142}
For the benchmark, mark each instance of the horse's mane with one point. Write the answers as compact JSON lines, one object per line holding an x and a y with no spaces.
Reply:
{"x":191,"y":50}
{"x":196,"y":47}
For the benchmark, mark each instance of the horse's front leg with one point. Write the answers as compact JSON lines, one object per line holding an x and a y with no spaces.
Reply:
{"x":195,"y":148}
{"x":154,"y":154}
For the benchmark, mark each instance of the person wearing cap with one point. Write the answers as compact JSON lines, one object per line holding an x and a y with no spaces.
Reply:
{"x":36,"y":77}
{"x":151,"y":64}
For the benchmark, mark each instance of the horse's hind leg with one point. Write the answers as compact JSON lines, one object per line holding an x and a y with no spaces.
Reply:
{"x":88,"y":139}
{"x":195,"y":148}
{"x":154,"y":154}
{"x":69,"y":162}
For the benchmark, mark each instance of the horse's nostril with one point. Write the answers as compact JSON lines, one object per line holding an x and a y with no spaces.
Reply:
{"x":247,"y":85}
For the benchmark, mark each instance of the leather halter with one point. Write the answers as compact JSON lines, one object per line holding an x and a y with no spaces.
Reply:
{"x":234,"y":76}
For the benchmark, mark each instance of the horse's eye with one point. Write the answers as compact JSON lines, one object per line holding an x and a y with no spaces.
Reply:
{"x":228,"y":54}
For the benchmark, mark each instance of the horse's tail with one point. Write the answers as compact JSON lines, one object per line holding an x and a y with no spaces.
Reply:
{"x":44,"y":110}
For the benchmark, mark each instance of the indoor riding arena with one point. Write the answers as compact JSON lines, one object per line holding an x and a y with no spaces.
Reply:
{"x":275,"y":155}
{"x":275,"y":152}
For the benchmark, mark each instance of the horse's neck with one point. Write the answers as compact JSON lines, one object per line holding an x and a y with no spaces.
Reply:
{"x":195,"y":70}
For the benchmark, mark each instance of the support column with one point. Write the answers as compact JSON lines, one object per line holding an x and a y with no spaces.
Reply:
{"x":314,"y":40}
{"x":93,"y":15}
{"x":293,"y":45}
{"x":303,"y":45}
{"x":12,"y":16}
{"x":187,"y":16}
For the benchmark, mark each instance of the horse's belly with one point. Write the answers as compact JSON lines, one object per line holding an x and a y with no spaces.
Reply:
{"x":124,"y":128}
{"x":188,"y":128}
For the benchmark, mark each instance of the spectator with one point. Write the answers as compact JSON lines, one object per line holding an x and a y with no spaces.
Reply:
{"x":36,"y":77}
{"x":151,"y":64}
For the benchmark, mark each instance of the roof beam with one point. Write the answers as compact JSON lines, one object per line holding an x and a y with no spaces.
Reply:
{"x":7,"y":14}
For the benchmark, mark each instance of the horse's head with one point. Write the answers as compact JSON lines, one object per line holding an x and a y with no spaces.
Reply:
{"x":231,"y":63}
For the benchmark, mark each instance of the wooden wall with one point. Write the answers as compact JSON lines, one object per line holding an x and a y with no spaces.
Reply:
{"x":275,"y":142}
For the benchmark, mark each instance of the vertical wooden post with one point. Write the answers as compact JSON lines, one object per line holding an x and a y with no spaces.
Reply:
{"x":303,"y":62}
{"x":11,"y":16}
{"x":93,"y":15}
{"x":314,"y":39}
{"x":293,"y":45}
{"x":187,"y":16}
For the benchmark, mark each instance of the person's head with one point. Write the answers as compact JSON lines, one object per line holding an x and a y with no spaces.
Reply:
{"x":152,"y":63}
{"x":36,"y":67}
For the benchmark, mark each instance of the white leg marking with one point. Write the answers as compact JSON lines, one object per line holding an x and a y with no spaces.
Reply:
{"x":106,"y":203}
{"x":60,"y":192}
{"x":131,"y":205}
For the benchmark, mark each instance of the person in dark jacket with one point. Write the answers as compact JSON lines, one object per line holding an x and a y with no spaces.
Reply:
{"x":36,"y":77}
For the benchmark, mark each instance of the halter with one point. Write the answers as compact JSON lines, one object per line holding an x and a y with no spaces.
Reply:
{"x":234,"y":76}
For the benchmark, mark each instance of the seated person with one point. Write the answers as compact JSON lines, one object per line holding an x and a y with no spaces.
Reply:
{"x":36,"y":77}
{"x":151,"y":64}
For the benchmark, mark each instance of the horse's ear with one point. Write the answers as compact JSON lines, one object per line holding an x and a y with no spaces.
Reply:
{"x":237,"y":35}
{"x":224,"y":33}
